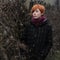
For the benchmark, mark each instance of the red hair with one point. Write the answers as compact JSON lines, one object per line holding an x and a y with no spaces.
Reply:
{"x":38,"y":6}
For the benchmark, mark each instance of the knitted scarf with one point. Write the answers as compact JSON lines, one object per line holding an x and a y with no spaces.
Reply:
{"x":38,"y":21}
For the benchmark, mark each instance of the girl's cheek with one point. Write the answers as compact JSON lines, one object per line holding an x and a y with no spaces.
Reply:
{"x":34,"y":14}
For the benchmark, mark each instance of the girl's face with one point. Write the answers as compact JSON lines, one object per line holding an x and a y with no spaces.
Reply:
{"x":37,"y":13}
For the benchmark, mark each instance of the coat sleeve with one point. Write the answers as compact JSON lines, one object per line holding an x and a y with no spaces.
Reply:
{"x":24,"y":35}
{"x":48,"y":44}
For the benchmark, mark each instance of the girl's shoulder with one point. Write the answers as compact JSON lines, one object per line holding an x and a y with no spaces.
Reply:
{"x":27,"y":25}
{"x":47,"y":25}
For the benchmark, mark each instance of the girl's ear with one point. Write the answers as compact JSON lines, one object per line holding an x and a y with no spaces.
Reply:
{"x":42,"y":13}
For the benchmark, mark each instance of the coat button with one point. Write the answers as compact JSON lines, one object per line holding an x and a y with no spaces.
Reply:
{"x":30,"y":50}
{"x":35,"y":35}
{"x":33,"y":45}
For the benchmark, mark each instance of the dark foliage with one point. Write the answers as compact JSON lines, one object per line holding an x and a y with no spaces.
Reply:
{"x":11,"y":23}
{"x":12,"y":18}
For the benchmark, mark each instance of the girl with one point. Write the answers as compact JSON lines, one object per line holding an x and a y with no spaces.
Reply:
{"x":37,"y":35}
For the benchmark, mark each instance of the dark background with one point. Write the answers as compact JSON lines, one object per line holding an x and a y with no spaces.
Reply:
{"x":13,"y":16}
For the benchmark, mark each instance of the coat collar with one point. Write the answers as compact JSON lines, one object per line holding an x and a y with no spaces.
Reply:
{"x":41,"y":24}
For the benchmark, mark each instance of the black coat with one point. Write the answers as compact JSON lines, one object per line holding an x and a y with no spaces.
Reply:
{"x":38,"y":39}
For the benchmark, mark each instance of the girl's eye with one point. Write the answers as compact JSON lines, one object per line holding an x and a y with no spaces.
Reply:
{"x":36,"y":10}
